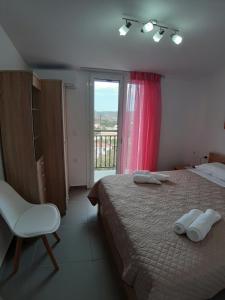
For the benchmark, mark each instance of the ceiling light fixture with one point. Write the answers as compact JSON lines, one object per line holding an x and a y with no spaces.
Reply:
{"x":147,"y":27}
{"x":158,"y":35}
{"x":176,"y":38}
{"x":125,"y":28}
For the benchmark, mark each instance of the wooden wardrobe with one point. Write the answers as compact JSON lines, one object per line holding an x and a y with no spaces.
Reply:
{"x":32,"y":135}
{"x":20,"y":134}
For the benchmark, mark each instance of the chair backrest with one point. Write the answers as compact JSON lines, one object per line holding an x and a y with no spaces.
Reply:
{"x":12,"y":205}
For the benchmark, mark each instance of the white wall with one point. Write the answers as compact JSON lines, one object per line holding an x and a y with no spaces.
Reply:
{"x":184,"y":108}
{"x":10,"y":59}
{"x":216,"y":115}
{"x":193,"y":119}
{"x":77,"y":129}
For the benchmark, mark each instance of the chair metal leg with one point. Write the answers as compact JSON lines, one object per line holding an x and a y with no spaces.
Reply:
{"x":56,"y":237}
{"x":49,"y":250}
{"x":17,"y":255}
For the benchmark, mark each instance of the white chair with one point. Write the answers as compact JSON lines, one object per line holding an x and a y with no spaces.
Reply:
{"x":28,"y":220}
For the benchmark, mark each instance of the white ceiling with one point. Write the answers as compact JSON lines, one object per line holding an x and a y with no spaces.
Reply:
{"x":84,"y":33}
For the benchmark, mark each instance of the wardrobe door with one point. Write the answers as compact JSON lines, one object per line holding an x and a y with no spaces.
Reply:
{"x":17,"y":133}
{"x":53,"y":142}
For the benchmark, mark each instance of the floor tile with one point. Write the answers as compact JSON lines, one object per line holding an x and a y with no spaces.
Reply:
{"x":14,"y":287}
{"x":27,"y":256}
{"x":74,"y":246}
{"x":80,"y":280}
{"x":68,"y":283}
{"x":99,"y":247}
{"x":105,"y":283}
{"x":11,"y":285}
{"x":74,"y":217}
{"x":92,"y":211}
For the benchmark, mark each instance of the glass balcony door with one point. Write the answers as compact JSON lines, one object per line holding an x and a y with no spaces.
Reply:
{"x":105,"y":95}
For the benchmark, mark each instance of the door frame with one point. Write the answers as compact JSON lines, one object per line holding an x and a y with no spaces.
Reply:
{"x":102,"y":76}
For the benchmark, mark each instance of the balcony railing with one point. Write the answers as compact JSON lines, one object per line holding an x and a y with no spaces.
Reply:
{"x":105,"y":149}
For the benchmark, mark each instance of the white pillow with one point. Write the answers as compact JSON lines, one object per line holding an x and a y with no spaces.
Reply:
{"x":214,"y":169}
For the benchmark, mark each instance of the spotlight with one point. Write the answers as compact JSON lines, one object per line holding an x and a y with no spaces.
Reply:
{"x":176,"y":38}
{"x":147,"y":27}
{"x":158,"y":35}
{"x":125,"y":28}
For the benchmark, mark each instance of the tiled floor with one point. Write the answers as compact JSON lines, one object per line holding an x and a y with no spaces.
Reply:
{"x":86,"y":269}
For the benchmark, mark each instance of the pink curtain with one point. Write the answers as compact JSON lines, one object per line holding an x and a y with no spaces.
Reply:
{"x":141,"y":123}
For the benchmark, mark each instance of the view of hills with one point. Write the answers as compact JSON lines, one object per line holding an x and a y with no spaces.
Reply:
{"x":106,"y":120}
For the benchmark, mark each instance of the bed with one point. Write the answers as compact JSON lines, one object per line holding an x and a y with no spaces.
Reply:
{"x":154,"y":263}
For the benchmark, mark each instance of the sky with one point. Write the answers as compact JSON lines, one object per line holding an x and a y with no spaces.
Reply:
{"x":106,"y":95}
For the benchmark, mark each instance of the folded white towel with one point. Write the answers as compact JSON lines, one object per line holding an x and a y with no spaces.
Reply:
{"x":141,"y":178}
{"x":182,"y":224}
{"x":198,"y":230}
{"x":160,"y":176}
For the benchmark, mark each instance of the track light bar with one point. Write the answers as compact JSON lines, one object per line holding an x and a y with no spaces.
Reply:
{"x":149,"y":26}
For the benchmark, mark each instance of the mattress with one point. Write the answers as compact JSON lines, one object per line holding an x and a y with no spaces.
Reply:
{"x":159,"y":264}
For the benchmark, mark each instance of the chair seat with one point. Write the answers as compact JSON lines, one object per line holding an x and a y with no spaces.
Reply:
{"x":38,"y":220}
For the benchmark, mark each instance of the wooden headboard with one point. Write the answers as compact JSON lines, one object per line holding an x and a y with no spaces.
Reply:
{"x":216,"y":157}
